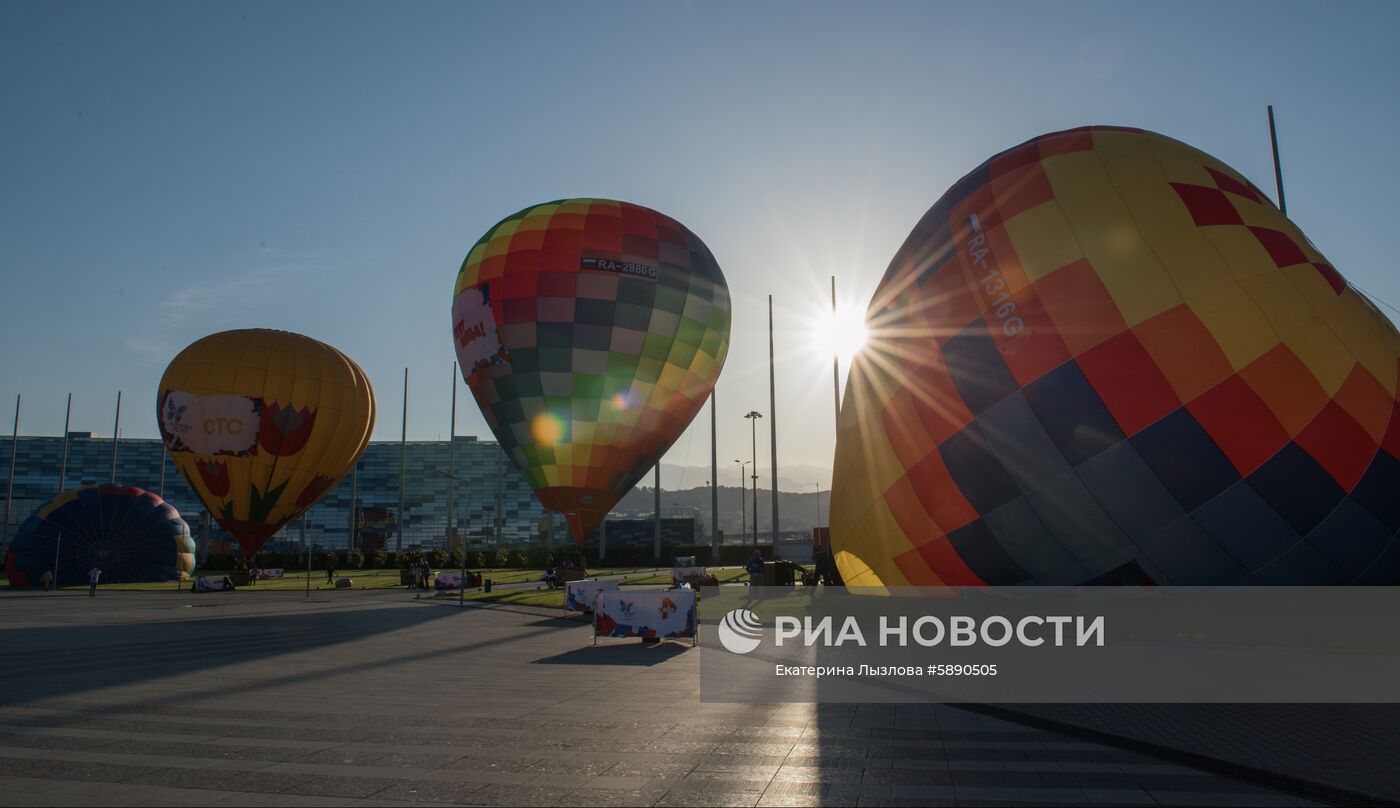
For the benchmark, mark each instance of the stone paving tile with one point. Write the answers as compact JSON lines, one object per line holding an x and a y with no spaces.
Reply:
{"x":522,"y":795}
{"x":702,"y":799}
{"x":608,"y":797}
{"x":342,"y":786}
{"x":421,"y":791}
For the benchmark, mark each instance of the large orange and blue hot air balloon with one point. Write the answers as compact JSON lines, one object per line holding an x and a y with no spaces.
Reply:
{"x":590,"y":332}
{"x":1106,"y":357}
{"x":132,"y":535}
{"x":262,"y":424}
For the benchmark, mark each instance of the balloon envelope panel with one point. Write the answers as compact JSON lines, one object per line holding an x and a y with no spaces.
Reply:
{"x":132,"y":535}
{"x":262,"y":424}
{"x":1104,"y":357}
{"x":590,"y":331}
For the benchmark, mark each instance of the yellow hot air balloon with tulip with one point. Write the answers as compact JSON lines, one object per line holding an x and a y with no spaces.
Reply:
{"x":262,"y":424}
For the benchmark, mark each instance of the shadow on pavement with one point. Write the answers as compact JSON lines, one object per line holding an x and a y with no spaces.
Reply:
{"x":630,"y":654}
{"x":51,"y":660}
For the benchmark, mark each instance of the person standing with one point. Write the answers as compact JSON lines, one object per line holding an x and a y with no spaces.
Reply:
{"x":93,"y":575}
{"x":754,"y":567}
{"x":253,"y":574}
{"x":47,"y":580}
{"x":330,"y":569}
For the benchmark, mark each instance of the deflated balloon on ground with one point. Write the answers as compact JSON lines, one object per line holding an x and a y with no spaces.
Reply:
{"x":131,"y":535}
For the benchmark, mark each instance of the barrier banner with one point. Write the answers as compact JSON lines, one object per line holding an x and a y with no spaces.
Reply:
{"x":203,"y":584}
{"x":272,"y":573}
{"x":579,"y":595}
{"x":452,"y":579}
{"x":679,"y":574}
{"x":645,"y":613}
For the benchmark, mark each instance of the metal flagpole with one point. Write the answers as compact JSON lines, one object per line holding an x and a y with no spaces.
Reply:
{"x":657,"y":521}
{"x":307,"y":549}
{"x":1278,"y":167}
{"x":500,"y":496}
{"x":714,"y":482}
{"x":773,"y":423}
{"x":116,"y":433}
{"x":160,"y":492}
{"x":57,"y":545}
{"x":403,"y":462}
{"x":835,"y":359}
{"x":10,"y":483}
{"x":451,"y":466}
{"x":63,"y":463}
{"x":753,"y":417}
{"x":355,"y":506}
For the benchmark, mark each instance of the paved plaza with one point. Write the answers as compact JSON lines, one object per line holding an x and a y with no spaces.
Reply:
{"x":374,"y":698}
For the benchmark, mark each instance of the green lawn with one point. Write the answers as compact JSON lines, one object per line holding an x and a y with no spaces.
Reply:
{"x":365,"y":579}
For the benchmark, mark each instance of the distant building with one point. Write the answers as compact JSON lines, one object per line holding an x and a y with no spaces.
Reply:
{"x":329,"y":521}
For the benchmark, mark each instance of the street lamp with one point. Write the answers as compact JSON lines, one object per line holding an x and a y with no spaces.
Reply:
{"x":461,"y":596}
{"x":753,"y":416}
{"x":743,"y":506}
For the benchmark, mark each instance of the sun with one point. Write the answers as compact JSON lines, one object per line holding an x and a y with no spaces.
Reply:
{"x":841,"y":333}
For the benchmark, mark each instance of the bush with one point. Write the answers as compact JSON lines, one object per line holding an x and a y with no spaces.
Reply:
{"x":378,"y":559}
{"x":354,"y":560}
{"x":458,"y":558}
{"x":517,"y":559}
{"x":479,"y":561}
{"x":437,"y":557}
{"x":410,"y":558}
{"x":329,"y":560}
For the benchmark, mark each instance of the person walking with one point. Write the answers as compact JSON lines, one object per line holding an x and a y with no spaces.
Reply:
{"x":93,"y":575}
{"x":47,"y":580}
{"x":755,"y":569}
{"x":253,"y":574}
{"x":330,"y":569}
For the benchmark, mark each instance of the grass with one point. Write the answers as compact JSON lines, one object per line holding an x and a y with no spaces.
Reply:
{"x":295,"y":580}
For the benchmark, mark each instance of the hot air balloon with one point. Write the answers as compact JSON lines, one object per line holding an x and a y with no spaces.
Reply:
{"x":1105,"y":357}
{"x":132,"y":535}
{"x":262,"y":424}
{"x":590,"y":332}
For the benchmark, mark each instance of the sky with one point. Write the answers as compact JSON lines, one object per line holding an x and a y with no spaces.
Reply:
{"x":169,"y":170}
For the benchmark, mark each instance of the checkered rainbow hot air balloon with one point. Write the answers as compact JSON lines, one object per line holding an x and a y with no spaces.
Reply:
{"x":1105,"y":357}
{"x":590,"y":332}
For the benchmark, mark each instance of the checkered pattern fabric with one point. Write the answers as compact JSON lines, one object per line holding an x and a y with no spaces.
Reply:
{"x":1105,"y":357}
{"x":611,"y":324}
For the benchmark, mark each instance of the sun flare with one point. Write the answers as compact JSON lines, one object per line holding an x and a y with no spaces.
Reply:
{"x":841,"y":333}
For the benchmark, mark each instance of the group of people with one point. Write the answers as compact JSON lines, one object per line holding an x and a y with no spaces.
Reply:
{"x":422,"y":574}
{"x":94,"y":575}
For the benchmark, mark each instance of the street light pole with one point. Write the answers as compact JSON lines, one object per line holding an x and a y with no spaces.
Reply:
{"x":753,"y":416}
{"x":451,"y":466}
{"x":743,"y":505}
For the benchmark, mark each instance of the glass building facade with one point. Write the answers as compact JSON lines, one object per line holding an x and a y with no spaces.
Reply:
{"x":480,"y":472}
{"x":480,"y":468}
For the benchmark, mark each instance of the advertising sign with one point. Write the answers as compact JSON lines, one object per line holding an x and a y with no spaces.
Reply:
{"x":579,"y":595}
{"x":645,"y":613}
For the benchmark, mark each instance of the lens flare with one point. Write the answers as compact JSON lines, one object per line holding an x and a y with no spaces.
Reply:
{"x":546,"y":429}
{"x":841,"y":333}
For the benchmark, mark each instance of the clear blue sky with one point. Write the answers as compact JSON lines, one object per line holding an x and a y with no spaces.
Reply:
{"x":168,"y":170}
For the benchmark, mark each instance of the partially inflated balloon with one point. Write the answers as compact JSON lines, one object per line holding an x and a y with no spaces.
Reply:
{"x":590,"y":332}
{"x":263,"y":424}
{"x":1105,"y":357}
{"x":132,"y":535}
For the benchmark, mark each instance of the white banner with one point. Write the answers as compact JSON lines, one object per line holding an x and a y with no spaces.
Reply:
{"x":645,"y":613}
{"x":474,"y":329}
{"x":452,"y":579}
{"x":275,"y":572}
{"x":210,"y":425}
{"x":579,"y":595}
{"x":679,"y":574}
{"x":206,"y":584}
